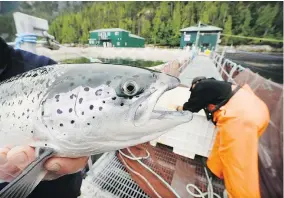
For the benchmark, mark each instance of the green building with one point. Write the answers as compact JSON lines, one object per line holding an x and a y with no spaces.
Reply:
{"x":115,"y":37}
{"x":209,"y":36}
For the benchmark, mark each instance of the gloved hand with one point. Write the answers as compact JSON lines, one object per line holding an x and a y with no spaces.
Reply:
{"x":14,"y":160}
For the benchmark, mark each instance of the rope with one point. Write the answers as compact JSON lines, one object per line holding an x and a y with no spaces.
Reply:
{"x":209,"y":192}
{"x":200,"y":194}
{"x":25,"y":37}
{"x":253,"y":38}
{"x":133,"y":157}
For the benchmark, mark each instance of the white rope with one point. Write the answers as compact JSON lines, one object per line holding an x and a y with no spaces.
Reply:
{"x":209,"y":192}
{"x":141,"y":176}
{"x":135,"y":158}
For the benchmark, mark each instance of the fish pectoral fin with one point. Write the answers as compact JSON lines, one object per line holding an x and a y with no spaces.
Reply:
{"x":26,"y":182}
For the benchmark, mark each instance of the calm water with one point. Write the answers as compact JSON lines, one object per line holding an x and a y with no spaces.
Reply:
{"x":269,"y":66}
{"x":130,"y":62}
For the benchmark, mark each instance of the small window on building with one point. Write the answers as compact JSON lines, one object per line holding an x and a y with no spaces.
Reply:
{"x":116,"y":33}
{"x":108,"y":33}
{"x":125,"y":43}
{"x":118,"y":43}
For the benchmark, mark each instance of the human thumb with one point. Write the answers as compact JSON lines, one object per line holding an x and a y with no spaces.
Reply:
{"x":21,"y":156}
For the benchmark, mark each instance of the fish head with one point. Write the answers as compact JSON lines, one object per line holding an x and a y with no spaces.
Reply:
{"x":99,"y":102}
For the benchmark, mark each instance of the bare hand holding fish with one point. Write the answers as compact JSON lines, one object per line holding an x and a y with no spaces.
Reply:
{"x":14,"y":160}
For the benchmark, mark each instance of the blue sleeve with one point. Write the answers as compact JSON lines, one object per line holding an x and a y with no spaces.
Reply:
{"x":31,"y":60}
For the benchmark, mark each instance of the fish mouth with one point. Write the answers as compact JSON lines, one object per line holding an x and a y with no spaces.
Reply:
{"x":147,"y":110}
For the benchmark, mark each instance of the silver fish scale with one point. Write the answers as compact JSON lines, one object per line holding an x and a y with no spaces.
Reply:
{"x":19,"y":101}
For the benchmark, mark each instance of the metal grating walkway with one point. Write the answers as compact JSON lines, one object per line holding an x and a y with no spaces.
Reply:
{"x":109,"y":178}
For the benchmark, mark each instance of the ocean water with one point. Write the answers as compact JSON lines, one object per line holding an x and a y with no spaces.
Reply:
{"x":117,"y":61}
{"x":269,"y":66}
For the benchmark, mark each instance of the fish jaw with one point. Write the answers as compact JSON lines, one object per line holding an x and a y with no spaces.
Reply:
{"x":145,"y":115}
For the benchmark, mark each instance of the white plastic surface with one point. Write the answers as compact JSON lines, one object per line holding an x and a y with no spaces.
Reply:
{"x":193,"y":138}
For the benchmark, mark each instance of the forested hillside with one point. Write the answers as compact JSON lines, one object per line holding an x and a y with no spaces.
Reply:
{"x":160,"y":22}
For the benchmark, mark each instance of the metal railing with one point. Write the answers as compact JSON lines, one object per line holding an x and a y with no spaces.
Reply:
{"x":227,"y":69}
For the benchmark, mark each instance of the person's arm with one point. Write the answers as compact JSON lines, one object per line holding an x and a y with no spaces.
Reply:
{"x":197,"y":100}
{"x":4,"y":54}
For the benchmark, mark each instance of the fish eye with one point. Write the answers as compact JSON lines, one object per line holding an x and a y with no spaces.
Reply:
{"x":130,"y":88}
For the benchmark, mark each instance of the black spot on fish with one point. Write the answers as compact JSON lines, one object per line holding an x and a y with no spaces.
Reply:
{"x":18,"y":117}
{"x":104,"y":101}
{"x":45,"y":126}
{"x":130,"y":97}
{"x":121,"y":104}
{"x":71,"y":84}
{"x":23,"y":114}
{"x":45,"y":144}
{"x":61,"y":124}
{"x":28,"y":117}
{"x":100,"y":108}
{"x":113,"y":98}
{"x":91,"y":107}
{"x":72,"y":121}
{"x":72,"y":96}
{"x":42,"y":113}
{"x":89,"y":80}
{"x":35,"y":75}
{"x":70,"y":110}
{"x":86,"y":89}
{"x":137,"y":96}
{"x":32,"y":131}
{"x":28,"y":110}
{"x":59,"y":111}
{"x":57,"y":97}
{"x":80,"y":100}
{"x":107,"y":92}
{"x":99,"y":92}
{"x":83,"y":113}
{"x":108,"y":82}
{"x":88,"y":123}
{"x":93,"y":117}
{"x":25,"y":93}
{"x":39,"y":94}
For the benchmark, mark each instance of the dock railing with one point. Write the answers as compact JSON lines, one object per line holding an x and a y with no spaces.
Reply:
{"x":227,"y":69}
